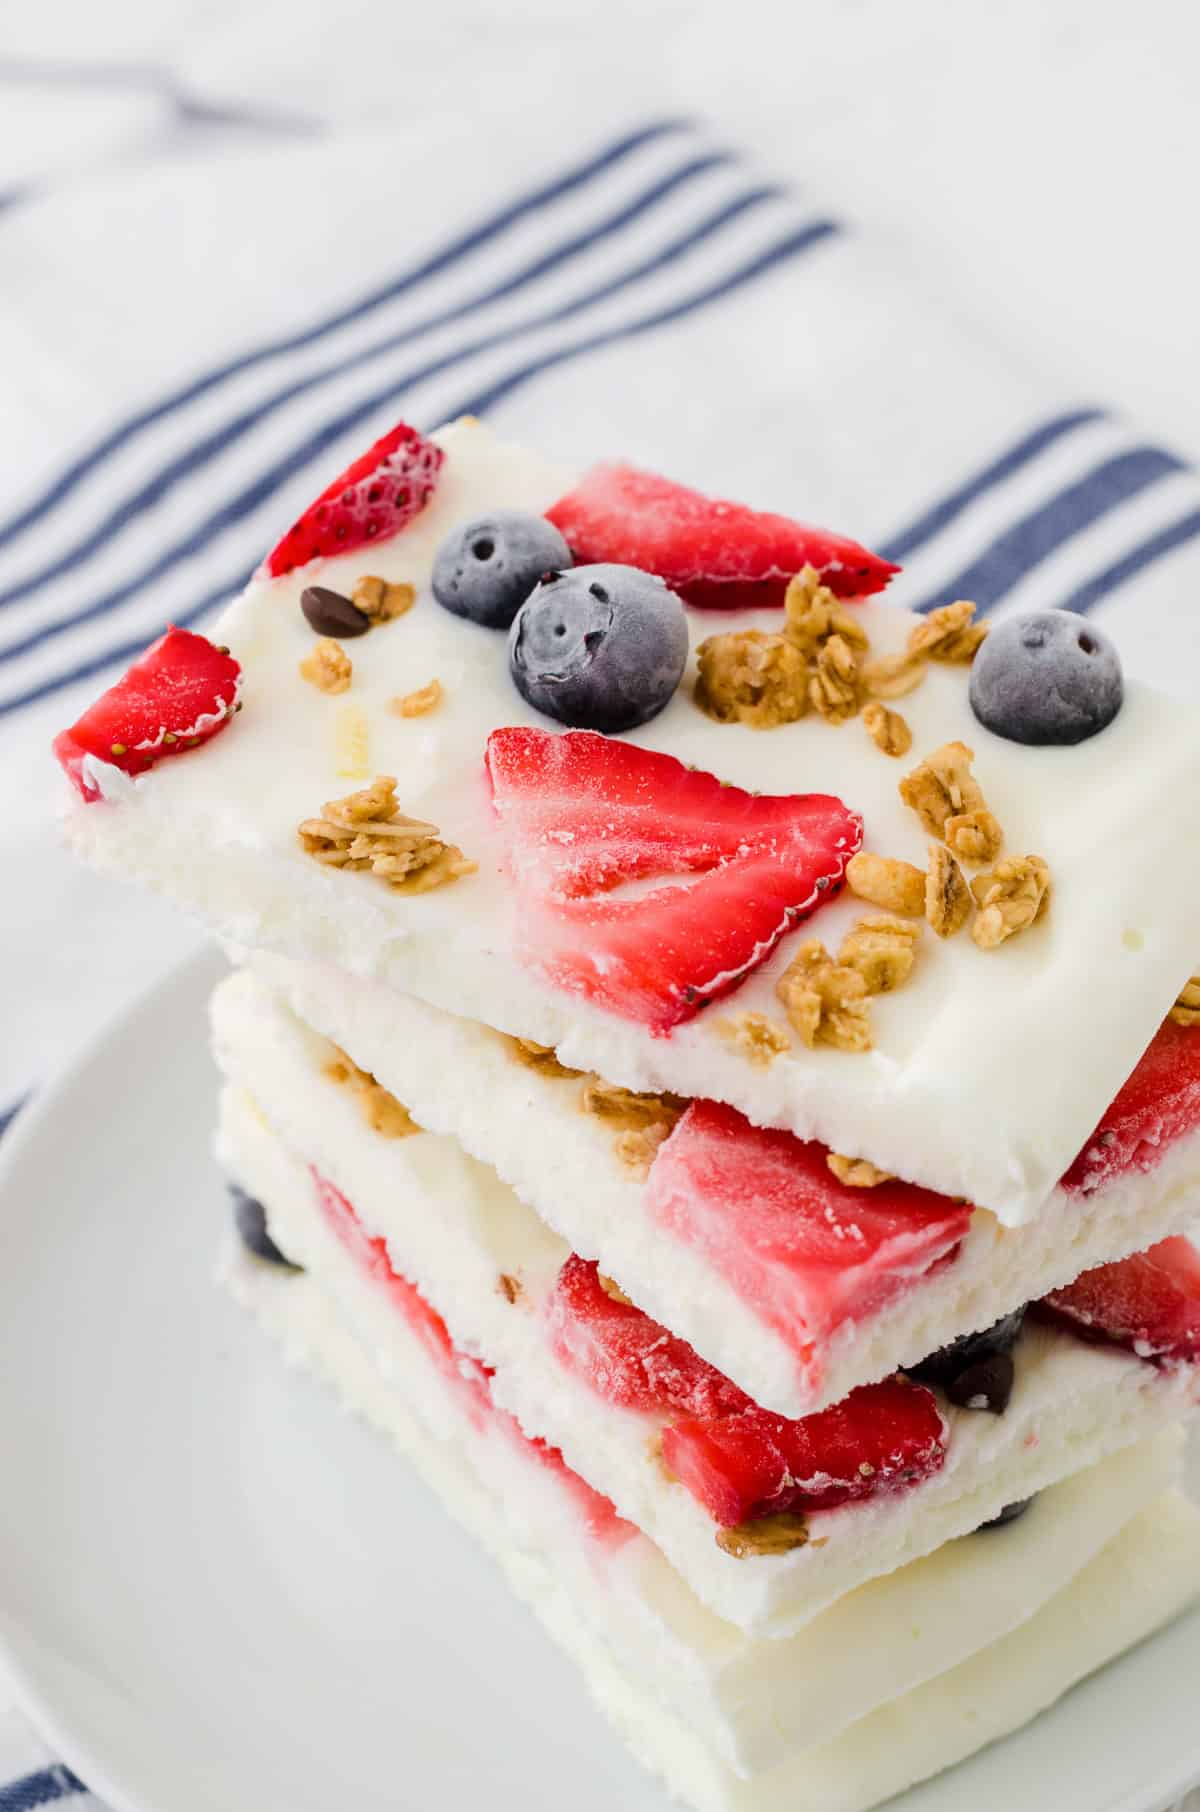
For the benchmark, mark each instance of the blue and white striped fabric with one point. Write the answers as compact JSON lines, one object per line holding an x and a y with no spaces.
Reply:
{"x":200,"y":344}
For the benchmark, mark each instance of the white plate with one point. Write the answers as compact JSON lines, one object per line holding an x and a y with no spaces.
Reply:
{"x":217,"y":1593}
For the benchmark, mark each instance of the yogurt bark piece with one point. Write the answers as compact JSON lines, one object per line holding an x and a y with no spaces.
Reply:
{"x":365,"y":1210}
{"x":744,"y":1242}
{"x":754,"y":1701}
{"x":988,"y":1068}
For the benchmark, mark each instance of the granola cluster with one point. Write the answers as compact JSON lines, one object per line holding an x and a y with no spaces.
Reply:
{"x":381,"y":601}
{"x":949,"y":801}
{"x":828,"y":1000}
{"x":818,"y":661}
{"x":328,"y":668}
{"x":419,"y":703}
{"x":380,"y":1109}
{"x":641,"y":1122}
{"x":756,"y":1037}
{"x":367,"y":830}
{"x":856,"y":1173}
{"x":539,"y":1057}
{"x":778,"y":1534}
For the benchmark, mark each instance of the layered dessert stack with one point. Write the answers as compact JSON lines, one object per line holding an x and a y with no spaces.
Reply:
{"x":666,"y":1093}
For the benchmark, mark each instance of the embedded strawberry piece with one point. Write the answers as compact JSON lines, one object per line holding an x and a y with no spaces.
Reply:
{"x":584,"y":812}
{"x":375,"y":497}
{"x":1149,"y":1302}
{"x":806,"y":1251}
{"x":879,"y":1441}
{"x":626,"y":1357}
{"x":1157,"y":1105}
{"x":174,"y":697}
{"x":717,"y":555}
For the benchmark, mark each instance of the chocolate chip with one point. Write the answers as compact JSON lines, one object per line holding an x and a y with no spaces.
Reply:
{"x":985,"y":1385}
{"x":1009,"y":1514}
{"x":329,"y":613}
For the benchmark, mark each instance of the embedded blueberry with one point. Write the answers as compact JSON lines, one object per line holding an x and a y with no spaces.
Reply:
{"x":1047,"y":679}
{"x":599,"y":647}
{"x":487,"y":568}
{"x":1009,"y":1514}
{"x":976,"y":1371}
{"x":250,"y":1219}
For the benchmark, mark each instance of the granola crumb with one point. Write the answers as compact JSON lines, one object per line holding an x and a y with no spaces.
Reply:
{"x":751,"y":677}
{"x":892,"y":675}
{"x":328,"y":668}
{"x":613,"y":1290}
{"x":947,"y":896}
{"x":778,"y":1534}
{"x":943,"y":787}
{"x":540,"y":1057}
{"x":1186,"y":1011}
{"x":641,"y":1121}
{"x":826,"y":1002}
{"x":755,"y":1037}
{"x":1011,"y":897}
{"x":948,"y":634}
{"x":367,"y":830}
{"x":379,"y":1107}
{"x":856,"y":1173}
{"x":885,"y":882}
{"x":381,"y":601}
{"x":419,"y":703}
{"x":887,"y":729}
{"x":975,"y":837}
{"x":833,"y":682}
{"x":884,"y":951}
{"x":509,"y":1287}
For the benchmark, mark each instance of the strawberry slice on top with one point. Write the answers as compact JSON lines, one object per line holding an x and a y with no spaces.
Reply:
{"x":1149,"y":1302}
{"x":583,"y":813}
{"x":373,"y":499}
{"x":716,"y":555}
{"x":805,"y":1250}
{"x":739,"y":1461}
{"x":180,"y":693}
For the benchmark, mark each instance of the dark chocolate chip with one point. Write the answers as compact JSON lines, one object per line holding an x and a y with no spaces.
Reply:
{"x":987,"y":1384}
{"x":1009,"y":1514}
{"x":329,"y":613}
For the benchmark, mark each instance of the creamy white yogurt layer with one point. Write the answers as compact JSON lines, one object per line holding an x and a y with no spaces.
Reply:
{"x":460,"y":1078}
{"x":753,"y":1700}
{"x":454,"y":1230}
{"x":989,"y":1070}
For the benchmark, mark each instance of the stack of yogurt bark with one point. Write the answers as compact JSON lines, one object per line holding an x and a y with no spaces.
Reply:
{"x":713,"y":1072}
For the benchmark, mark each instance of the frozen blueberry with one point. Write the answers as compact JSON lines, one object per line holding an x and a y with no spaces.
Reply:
{"x":1009,"y":1514}
{"x":600,"y":647}
{"x":487,"y":568}
{"x":250,"y":1219}
{"x":976,"y":1372}
{"x":1048,"y":678}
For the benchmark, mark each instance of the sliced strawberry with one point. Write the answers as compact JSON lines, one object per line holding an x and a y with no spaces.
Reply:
{"x":385,"y":488}
{"x":880,"y":1440}
{"x":718,"y":555}
{"x":174,"y":697}
{"x":739,"y":1461}
{"x":1157,"y":1105}
{"x":626,"y":1357}
{"x":584,"y":812}
{"x":1149,"y":1302}
{"x":803,"y":1249}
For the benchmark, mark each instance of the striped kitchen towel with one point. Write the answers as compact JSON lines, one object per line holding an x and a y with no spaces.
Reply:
{"x":192,"y":347}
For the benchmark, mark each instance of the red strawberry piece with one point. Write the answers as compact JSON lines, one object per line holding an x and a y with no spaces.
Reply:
{"x":718,"y":555}
{"x":1149,"y":1302}
{"x":879,"y":1441}
{"x":1157,"y":1105}
{"x":467,"y":1375}
{"x":584,"y":812}
{"x":803,"y":1249}
{"x":626,"y":1357}
{"x":374,"y":498}
{"x":174,"y":697}
{"x":737,"y":1460}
